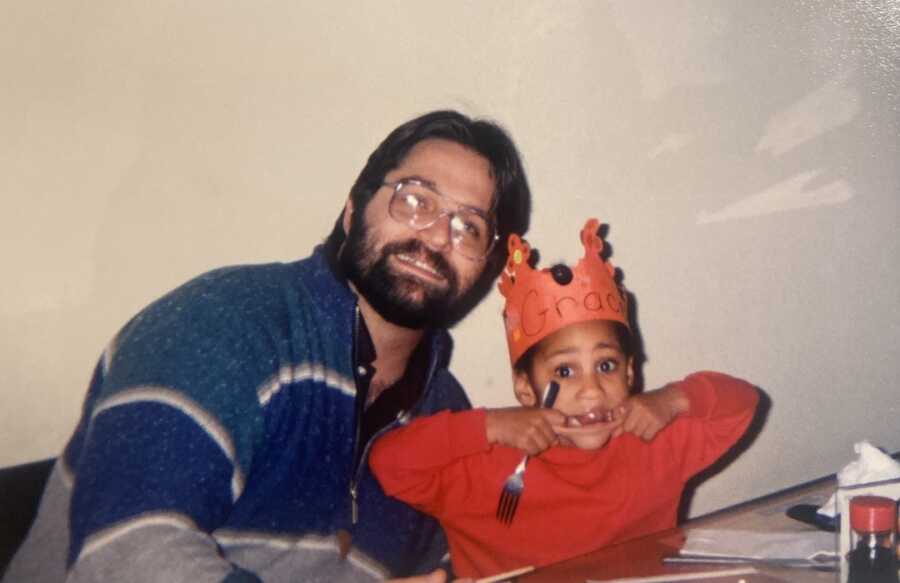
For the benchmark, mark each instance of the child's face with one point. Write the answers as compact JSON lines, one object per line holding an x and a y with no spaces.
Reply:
{"x":594,"y":377}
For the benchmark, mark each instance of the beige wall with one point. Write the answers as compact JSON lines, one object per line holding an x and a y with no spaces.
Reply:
{"x":745,"y":155}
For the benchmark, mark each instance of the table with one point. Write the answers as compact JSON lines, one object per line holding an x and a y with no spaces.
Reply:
{"x":643,"y":556}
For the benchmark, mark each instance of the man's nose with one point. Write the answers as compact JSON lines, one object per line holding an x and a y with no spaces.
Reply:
{"x":437,"y":236}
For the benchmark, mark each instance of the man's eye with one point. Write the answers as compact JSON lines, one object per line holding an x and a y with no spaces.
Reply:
{"x":414,"y":201}
{"x":469,"y":229}
{"x":563,"y":371}
{"x":607,"y":366}
{"x":472,"y":230}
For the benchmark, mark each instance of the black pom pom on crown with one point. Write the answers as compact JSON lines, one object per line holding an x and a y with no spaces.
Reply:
{"x":561,"y":274}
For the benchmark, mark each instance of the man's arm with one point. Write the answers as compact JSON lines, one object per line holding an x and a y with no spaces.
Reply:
{"x":165,"y":441}
{"x":150,"y":483}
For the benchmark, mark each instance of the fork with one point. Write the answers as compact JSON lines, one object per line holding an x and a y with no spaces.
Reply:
{"x":515,"y":482}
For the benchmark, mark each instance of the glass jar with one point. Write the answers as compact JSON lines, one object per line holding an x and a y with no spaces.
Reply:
{"x":872,"y":557}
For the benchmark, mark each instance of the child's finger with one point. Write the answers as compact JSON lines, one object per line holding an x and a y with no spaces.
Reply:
{"x":630,"y":421}
{"x":639,"y":424}
{"x":540,"y":438}
{"x":553,"y":416}
{"x":539,"y":444}
{"x":633,"y":426}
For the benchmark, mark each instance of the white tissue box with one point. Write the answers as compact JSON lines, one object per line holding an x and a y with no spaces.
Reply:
{"x":886,"y":488}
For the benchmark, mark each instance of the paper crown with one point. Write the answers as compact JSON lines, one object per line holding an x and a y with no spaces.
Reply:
{"x":541,"y":301}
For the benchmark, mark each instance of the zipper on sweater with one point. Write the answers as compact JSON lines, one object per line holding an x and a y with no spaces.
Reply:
{"x":354,"y":477}
{"x":354,"y":510}
{"x":402,"y":416}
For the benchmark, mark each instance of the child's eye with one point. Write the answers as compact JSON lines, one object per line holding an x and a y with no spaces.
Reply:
{"x":563,"y":371}
{"x":607,"y":366}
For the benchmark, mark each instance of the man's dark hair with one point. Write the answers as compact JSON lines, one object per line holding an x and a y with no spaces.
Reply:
{"x":512,"y":197}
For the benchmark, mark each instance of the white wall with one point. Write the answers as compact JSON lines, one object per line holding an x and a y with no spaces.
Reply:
{"x":745,"y":155}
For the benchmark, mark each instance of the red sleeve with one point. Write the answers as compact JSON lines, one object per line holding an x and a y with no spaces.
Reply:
{"x":721,"y":408}
{"x":412,"y":462}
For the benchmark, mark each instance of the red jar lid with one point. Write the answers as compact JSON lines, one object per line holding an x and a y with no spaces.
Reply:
{"x":872,"y":513}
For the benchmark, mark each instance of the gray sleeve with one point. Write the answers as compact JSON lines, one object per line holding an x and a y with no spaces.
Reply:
{"x":149,"y":549}
{"x":164,"y":552}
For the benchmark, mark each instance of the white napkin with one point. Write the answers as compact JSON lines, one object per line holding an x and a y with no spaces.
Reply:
{"x":714,"y":542}
{"x":872,"y":465}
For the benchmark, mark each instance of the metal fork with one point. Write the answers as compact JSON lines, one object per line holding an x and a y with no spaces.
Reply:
{"x":515,"y":483}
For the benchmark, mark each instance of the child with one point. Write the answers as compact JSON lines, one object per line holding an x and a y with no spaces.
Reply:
{"x":615,"y":464}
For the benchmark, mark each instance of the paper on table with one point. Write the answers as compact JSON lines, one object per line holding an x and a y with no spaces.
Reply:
{"x":713,"y":542}
{"x":747,"y":574}
{"x":872,"y":465}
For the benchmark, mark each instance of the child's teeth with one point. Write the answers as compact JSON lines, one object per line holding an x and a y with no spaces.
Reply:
{"x":601,"y":416}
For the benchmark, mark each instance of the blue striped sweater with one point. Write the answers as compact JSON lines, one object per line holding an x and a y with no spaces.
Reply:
{"x":217,"y":442}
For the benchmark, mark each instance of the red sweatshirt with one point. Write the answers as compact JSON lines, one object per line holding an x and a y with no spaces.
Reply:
{"x":575,"y":500}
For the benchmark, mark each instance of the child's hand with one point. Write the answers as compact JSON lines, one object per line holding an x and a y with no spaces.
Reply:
{"x":645,"y":414}
{"x":527,"y":428}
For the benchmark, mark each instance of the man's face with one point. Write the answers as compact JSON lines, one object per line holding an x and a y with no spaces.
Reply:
{"x":411,"y":277}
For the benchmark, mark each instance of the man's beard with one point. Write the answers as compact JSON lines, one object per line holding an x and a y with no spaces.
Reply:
{"x":392,"y":294}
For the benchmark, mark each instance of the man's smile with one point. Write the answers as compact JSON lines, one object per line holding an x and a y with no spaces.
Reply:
{"x":420,"y":268}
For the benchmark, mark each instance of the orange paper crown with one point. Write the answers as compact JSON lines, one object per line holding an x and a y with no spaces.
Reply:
{"x":540,"y":302}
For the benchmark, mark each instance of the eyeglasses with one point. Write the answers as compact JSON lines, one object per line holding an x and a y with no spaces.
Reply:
{"x":419,"y":206}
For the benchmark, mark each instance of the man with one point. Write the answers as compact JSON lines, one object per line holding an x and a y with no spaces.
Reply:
{"x":225,"y":431}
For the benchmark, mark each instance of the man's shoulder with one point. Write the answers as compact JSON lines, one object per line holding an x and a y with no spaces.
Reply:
{"x":227,"y":315}
{"x":246,"y":279}
{"x":239,"y":289}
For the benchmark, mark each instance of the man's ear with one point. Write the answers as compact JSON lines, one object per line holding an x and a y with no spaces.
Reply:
{"x":629,"y":372}
{"x":348,"y":216}
{"x":522,"y":388}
